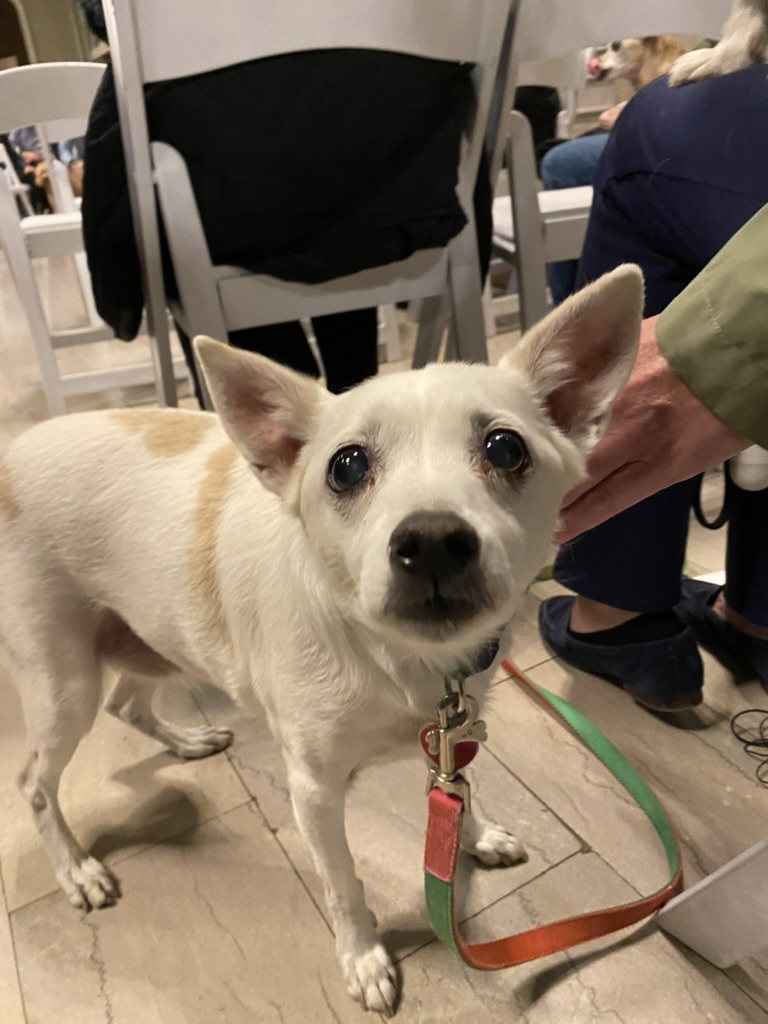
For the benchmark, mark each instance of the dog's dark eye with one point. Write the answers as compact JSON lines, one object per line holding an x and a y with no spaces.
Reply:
{"x":616,"y":46}
{"x":506,"y":450}
{"x":348,"y":468}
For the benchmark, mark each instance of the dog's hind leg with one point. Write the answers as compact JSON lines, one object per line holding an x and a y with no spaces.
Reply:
{"x":131,"y":702}
{"x":58,"y":715}
{"x":141,"y":668}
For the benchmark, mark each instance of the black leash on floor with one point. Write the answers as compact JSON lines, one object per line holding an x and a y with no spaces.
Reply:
{"x":750,"y":727}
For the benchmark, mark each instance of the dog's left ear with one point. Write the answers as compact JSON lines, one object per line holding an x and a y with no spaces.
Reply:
{"x":580,"y":356}
{"x":265,"y":408}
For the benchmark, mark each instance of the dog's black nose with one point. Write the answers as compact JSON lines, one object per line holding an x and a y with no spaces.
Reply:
{"x":433,"y":544}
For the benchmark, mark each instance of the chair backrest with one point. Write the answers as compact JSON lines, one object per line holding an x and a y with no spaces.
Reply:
{"x":550,"y":28}
{"x":175,"y":43}
{"x":56,"y":100}
{"x":167,"y":41}
{"x":56,"y":97}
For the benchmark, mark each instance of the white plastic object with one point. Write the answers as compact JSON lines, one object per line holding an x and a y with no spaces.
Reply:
{"x":723,"y":917}
{"x":749,"y":469}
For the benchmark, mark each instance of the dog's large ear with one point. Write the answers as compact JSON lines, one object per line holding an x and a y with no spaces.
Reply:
{"x":265,"y":408}
{"x":580,"y":355}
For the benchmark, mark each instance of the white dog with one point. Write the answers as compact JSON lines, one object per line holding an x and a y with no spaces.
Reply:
{"x":744,"y":42}
{"x":332,"y":557}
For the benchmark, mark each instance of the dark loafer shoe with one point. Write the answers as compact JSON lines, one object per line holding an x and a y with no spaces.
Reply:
{"x":663,"y":675}
{"x":722,"y":640}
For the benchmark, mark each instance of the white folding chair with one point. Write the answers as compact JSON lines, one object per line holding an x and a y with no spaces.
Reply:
{"x":18,"y":189}
{"x":153,"y":41}
{"x":56,"y":98}
{"x":532,"y":228}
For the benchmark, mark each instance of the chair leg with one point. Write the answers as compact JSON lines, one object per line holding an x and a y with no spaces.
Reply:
{"x":432,"y":320}
{"x":488,"y":312}
{"x":84,"y":282}
{"x":467,"y":297}
{"x":389,"y":333}
{"x":160,"y":347}
{"x":29,"y":296}
{"x":529,"y":229}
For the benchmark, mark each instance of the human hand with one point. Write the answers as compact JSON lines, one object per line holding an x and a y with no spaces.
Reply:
{"x":659,"y":434}
{"x":608,"y":117}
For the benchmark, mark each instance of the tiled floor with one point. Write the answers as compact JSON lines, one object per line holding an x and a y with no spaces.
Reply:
{"x":222,"y":918}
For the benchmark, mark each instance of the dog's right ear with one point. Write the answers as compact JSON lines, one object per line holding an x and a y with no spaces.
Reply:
{"x":265,"y":408}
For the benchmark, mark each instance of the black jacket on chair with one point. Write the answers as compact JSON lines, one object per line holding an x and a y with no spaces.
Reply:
{"x":305,"y":166}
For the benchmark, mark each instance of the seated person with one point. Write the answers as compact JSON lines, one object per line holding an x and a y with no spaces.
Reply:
{"x":669,"y":195}
{"x":573,"y":163}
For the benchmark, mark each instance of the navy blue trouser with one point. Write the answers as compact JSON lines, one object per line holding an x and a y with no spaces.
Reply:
{"x":683,"y":170}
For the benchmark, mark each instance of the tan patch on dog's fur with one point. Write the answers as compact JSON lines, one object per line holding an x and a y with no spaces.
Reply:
{"x":211,"y":495}
{"x":166,"y":433}
{"x":9,"y":507}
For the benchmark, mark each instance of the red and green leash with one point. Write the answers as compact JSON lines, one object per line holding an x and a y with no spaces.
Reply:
{"x":445,"y":812}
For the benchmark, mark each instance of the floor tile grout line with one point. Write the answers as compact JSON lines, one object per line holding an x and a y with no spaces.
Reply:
{"x":13,"y":948}
{"x":586,"y":846}
{"x":499,"y":899}
{"x":137,"y":853}
{"x":253,"y":800}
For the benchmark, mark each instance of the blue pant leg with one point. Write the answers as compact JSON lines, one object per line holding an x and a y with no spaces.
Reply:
{"x":635,"y":559}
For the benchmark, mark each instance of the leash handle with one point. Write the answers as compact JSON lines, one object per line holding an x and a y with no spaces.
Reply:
{"x":445,"y":813}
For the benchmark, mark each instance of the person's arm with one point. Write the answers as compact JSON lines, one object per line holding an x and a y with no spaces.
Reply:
{"x":715,"y":334}
{"x":608,"y":118}
{"x":698,"y":393}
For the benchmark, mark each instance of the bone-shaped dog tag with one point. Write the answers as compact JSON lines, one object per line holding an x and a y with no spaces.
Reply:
{"x":478,"y":732}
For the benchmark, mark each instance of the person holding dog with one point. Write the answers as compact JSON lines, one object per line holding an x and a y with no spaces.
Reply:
{"x":691,"y":212}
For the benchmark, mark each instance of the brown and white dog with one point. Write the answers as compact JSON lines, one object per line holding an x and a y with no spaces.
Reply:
{"x":637,"y":60}
{"x":744,"y":42}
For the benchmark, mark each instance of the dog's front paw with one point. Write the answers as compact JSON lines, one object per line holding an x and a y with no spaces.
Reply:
{"x":371,"y":978}
{"x":709,"y":63}
{"x":492,"y":844}
{"x":89,"y":885}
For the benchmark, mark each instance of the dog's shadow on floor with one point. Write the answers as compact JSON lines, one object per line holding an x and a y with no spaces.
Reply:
{"x":170,"y":815}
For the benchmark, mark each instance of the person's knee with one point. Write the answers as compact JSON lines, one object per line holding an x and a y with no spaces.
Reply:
{"x":556,"y":166}
{"x":573,"y":163}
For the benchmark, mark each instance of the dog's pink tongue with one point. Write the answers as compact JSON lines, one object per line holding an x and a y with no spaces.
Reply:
{"x":593,"y":67}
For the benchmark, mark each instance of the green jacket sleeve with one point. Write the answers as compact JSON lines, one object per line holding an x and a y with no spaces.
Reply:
{"x":715,"y":334}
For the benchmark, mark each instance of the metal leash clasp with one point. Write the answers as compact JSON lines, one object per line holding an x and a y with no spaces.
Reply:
{"x":457,"y":720}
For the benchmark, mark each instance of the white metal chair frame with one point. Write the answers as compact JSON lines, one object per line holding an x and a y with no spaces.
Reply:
{"x":152,"y":42}
{"x":16,"y":185}
{"x":56,"y":98}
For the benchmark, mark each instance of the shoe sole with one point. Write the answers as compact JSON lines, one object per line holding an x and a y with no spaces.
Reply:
{"x":691,"y":700}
